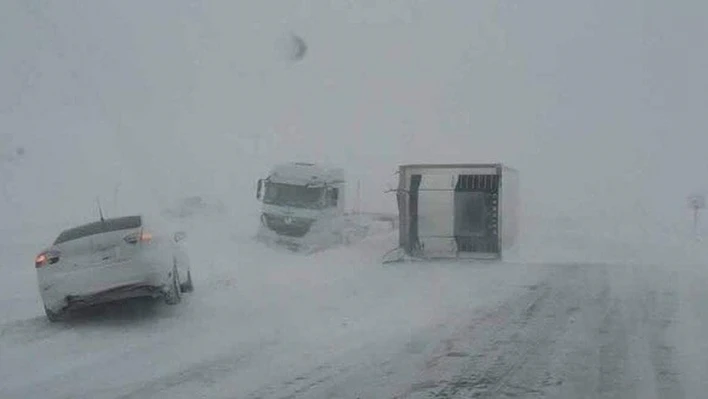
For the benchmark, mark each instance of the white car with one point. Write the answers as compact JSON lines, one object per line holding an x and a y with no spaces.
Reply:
{"x":110,"y":260}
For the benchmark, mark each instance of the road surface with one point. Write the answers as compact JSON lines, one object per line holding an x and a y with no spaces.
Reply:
{"x":582,"y":331}
{"x":339,"y":324}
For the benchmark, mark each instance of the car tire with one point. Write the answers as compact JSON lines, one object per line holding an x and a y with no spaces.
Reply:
{"x":188,"y":286}
{"x":174,"y":295}
{"x":54,"y":316}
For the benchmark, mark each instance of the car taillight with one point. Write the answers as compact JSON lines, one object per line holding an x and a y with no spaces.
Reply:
{"x":40,"y":260}
{"x":46,"y":258}
{"x":134,"y":238}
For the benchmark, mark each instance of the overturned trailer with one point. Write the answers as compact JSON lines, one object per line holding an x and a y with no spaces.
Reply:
{"x":457,"y":211}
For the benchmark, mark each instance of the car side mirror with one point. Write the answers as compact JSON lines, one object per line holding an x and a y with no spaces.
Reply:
{"x":259,"y":188}
{"x":180,"y":235}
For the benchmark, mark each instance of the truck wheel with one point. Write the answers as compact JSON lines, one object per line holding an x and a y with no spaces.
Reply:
{"x":174,"y":296}
{"x":188,"y":286}
{"x":54,"y":316}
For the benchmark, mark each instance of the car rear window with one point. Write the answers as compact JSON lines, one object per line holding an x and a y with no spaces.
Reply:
{"x":105,"y":226}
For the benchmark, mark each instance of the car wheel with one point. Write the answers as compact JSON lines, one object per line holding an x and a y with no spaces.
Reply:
{"x":188,"y":286}
{"x":174,"y":295}
{"x":53,"y":316}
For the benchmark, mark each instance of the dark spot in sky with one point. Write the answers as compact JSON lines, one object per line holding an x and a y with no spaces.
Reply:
{"x":295,"y":47}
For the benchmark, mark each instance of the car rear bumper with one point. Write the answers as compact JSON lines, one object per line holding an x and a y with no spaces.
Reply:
{"x":113,"y":294}
{"x":103,"y":284}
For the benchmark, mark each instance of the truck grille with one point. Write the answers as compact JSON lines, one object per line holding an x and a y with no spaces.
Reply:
{"x":287,"y":226}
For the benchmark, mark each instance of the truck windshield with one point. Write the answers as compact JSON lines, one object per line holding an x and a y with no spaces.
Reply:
{"x":292,"y":195}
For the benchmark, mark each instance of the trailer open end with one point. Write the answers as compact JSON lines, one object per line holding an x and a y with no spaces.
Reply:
{"x":457,"y":210}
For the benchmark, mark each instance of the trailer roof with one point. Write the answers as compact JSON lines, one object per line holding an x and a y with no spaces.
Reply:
{"x":306,"y":173}
{"x":455,"y":166}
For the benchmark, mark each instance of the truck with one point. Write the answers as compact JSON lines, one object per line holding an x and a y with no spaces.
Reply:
{"x":303,"y":206}
{"x":457,"y":211}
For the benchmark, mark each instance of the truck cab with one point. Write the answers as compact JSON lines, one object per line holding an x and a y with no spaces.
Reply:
{"x":302,"y":205}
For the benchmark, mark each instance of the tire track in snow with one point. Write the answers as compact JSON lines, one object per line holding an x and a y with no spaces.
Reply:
{"x":578,"y":334}
{"x":659,"y":313}
{"x":524,"y":337}
{"x":366,"y":366}
{"x":206,"y":373}
{"x":613,"y":349}
{"x":636,"y":358}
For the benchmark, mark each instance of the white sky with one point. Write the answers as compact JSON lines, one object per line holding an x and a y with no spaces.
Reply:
{"x":600,"y":105}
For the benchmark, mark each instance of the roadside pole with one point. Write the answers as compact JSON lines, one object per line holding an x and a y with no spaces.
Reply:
{"x":696,"y":202}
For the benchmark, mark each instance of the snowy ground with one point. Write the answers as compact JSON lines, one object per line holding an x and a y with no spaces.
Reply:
{"x":265,"y":324}
{"x":139,"y":103}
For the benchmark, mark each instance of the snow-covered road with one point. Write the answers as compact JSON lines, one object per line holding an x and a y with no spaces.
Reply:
{"x":585,"y":331}
{"x":134,"y":104}
{"x":339,"y":324}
